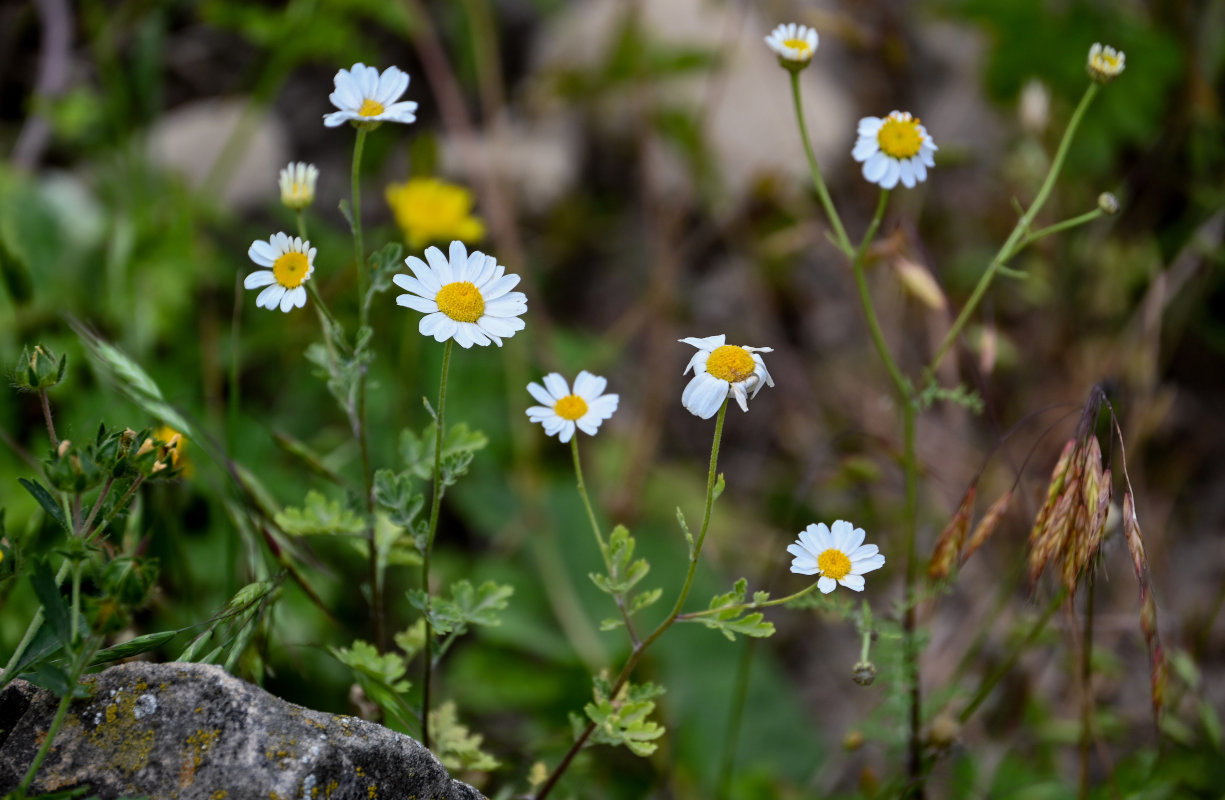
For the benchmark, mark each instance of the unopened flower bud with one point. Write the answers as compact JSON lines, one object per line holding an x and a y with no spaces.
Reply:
{"x":39,"y":369}
{"x":1108,"y":203}
{"x":1105,"y":63}
{"x":297,"y":184}
{"x":864,"y":673}
{"x":943,"y":732}
{"x":852,"y":741}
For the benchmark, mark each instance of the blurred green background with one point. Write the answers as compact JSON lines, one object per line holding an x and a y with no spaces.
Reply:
{"x":637,"y":163}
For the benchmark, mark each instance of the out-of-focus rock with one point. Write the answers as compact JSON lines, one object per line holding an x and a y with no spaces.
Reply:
{"x":190,"y":138}
{"x":190,"y":731}
{"x":744,"y":103}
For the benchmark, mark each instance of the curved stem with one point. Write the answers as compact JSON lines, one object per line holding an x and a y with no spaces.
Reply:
{"x":1072,"y":222}
{"x":746,"y":606}
{"x":638,"y":651}
{"x":843,"y":242}
{"x":1014,"y":243}
{"x":619,"y":597}
{"x":435,"y":505}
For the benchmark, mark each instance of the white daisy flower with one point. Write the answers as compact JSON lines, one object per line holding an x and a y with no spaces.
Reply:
{"x":289,"y":263}
{"x":467,"y":298}
{"x":839,"y":556}
{"x":1105,"y":63}
{"x":794,"y":44}
{"x":297,"y":184}
{"x":720,"y":369}
{"x":562,"y":410}
{"x":367,"y":98}
{"x":894,"y":148}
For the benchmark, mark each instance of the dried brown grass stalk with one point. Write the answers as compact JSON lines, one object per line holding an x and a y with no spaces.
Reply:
{"x":948,"y":546}
{"x":987,"y":525}
{"x":1148,"y":606}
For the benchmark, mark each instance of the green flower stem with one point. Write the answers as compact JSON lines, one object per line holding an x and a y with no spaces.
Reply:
{"x":865,"y":646}
{"x":355,"y":202}
{"x":735,"y":716}
{"x":55,"y":442}
{"x":595,"y":528}
{"x":843,"y":242}
{"x":910,"y":643}
{"x":1042,"y":233}
{"x":1086,"y":686}
{"x":745,"y":606}
{"x":310,"y":285}
{"x":1017,"y":239}
{"x":865,"y":298}
{"x":82,"y":661}
{"x":76,"y":601}
{"x":233,"y":400}
{"x":640,"y":649}
{"x":984,"y":689}
{"x":93,"y":512}
{"x":435,"y":505}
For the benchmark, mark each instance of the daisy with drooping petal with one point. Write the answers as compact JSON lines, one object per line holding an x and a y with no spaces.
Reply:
{"x":721,"y":369}
{"x":1105,"y":63}
{"x":297,"y":184}
{"x":894,"y":148}
{"x":562,"y":410}
{"x":367,"y":98}
{"x":289,"y":263}
{"x":467,"y":298}
{"x":794,"y":44}
{"x":839,"y":556}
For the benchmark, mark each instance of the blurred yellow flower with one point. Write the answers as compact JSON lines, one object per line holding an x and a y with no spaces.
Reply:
{"x":175,"y":444}
{"x":429,"y":210}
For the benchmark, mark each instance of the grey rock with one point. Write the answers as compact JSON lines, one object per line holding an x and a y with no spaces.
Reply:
{"x":194,"y":731}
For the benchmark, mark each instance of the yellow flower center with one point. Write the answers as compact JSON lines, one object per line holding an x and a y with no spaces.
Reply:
{"x":834,"y":564}
{"x":571,"y":407}
{"x":899,"y":137}
{"x":731,"y":363}
{"x":797,"y":44}
{"x":290,"y":269}
{"x":1108,"y":60}
{"x":461,"y":301}
{"x":370,"y":108}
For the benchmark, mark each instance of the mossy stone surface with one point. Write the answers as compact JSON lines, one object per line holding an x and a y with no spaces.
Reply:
{"x":187,"y":731}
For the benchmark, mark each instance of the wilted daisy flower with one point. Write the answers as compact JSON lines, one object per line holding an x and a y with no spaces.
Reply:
{"x":298,"y":185}
{"x":367,"y":98}
{"x":894,"y":148}
{"x":467,"y":298}
{"x":429,"y":210}
{"x":838,"y":556}
{"x":720,"y":369}
{"x":1105,"y":63}
{"x":794,"y":44}
{"x":562,"y":410}
{"x":290,"y":263}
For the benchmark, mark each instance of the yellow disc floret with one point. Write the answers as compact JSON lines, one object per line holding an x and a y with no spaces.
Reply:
{"x":899,"y":137}
{"x":461,"y":301}
{"x":571,"y":407}
{"x":797,"y":44}
{"x":834,"y":564}
{"x":291,"y":269}
{"x":370,"y":108}
{"x":731,"y":363}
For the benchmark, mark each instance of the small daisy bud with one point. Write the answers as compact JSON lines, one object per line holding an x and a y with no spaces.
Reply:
{"x":297,"y":184}
{"x":943,"y":732}
{"x":793,"y":44}
{"x":864,"y":673}
{"x":852,"y":741}
{"x":1108,"y":203}
{"x":1105,"y":63}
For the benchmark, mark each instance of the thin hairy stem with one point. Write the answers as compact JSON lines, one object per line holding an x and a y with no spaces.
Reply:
{"x":619,"y":597}
{"x":1015,"y":240}
{"x":639,"y":650}
{"x":435,"y":505}
{"x":841,"y":239}
{"x":93,"y":512}
{"x":46,"y":404}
